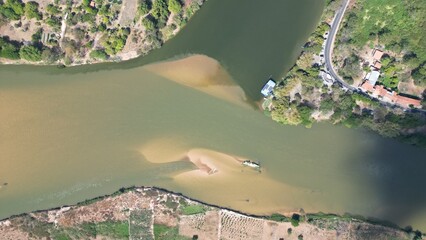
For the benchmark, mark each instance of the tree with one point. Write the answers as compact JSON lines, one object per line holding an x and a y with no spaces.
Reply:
{"x":51,"y":55}
{"x":8,"y":49}
{"x":160,"y":12}
{"x":12,"y":9}
{"x":144,"y":8}
{"x":52,"y":9}
{"x":148,"y":23}
{"x":31,"y":11}
{"x":419,"y":75}
{"x":36,"y":37}
{"x":99,"y":54}
{"x":30,"y":53}
{"x":175,"y":6}
{"x":295,"y":219}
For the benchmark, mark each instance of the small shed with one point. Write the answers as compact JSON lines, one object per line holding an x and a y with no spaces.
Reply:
{"x":267,"y":89}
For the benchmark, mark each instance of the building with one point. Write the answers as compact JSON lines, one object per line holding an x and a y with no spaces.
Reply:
{"x":373,"y":77}
{"x":268,"y":88}
{"x":377,"y":65}
{"x":377,"y":54}
{"x":390,"y":96}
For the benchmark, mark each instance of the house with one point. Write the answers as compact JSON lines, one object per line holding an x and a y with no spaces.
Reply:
{"x":268,"y":88}
{"x":389,"y":96}
{"x":407,"y":102}
{"x":377,"y":65}
{"x":377,"y":54}
{"x":373,"y":77}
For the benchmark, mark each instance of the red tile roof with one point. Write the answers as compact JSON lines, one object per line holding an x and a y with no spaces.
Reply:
{"x":377,"y":65}
{"x":377,"y":54}
{"x":380,"y":91}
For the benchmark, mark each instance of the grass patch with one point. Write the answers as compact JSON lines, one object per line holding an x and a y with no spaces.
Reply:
{"x":140,"y":224}
{"x":193,"y":209}
{"x":278,"y":218}
{"x":116,"y":230}
{"x":163,"y":232}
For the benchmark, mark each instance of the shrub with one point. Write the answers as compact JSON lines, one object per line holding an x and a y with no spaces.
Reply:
{"x":295,"y":219}
{"x":144,"y":7}
{"x":12,"y":9}
{"x":175,"y":6}
{"x":52,"y":9}
{"x":8,"y":49}
{"x":148,"y":23}
{"x":30,"y":53}
{"x":31,"y":11}
{"x":99,"y":54}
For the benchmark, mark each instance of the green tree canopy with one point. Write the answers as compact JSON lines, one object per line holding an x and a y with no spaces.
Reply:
{"x":8,"y":49}
{"x":175,"y":6}
{"x":12,"y":9}
{"x":31,"y":11}
{"x":99,"y":54}
{"x":30,"y":53}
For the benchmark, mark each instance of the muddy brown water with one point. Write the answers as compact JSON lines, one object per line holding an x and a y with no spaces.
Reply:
{"x":73,"y":134}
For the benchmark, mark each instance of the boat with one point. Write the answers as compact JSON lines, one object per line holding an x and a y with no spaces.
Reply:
{"x":251,"y":164}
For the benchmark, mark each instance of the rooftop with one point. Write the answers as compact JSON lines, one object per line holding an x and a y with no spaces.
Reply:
{"x":377,"y":54}
{"x":373,"y":77}
{"x":267,"y":89}
{"x":377,"y":65}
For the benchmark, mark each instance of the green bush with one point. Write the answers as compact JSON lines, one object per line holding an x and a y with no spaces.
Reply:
{"x":12,"y":9}
{"x":8,"y":49}
{"x":295,"y":219}
{"x":144,"y":7}
{"x":148,"y":23}
{"x":99,"y":54}
{"x":52,"y":9}
{"x":160,"y":12}
{"x":31,"y":11}
{"x":278,"y":218}
{"x":175,"y":6}
{"x":30,"y":53}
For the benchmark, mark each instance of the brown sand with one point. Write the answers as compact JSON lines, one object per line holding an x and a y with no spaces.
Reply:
{"x":204,"y":74}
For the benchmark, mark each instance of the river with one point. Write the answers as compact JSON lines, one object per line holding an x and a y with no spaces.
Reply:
{"x":71,"y":134}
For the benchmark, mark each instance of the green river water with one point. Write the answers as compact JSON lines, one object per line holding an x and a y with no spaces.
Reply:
{"x":71,"y":134}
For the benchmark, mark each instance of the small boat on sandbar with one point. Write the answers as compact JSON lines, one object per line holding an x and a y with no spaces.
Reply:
{"x":251,"y":164}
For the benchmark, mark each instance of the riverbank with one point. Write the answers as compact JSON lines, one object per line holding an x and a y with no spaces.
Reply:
{"x":69,"y":33}
{"x":307,"y":94}
{"x":155,"y":213}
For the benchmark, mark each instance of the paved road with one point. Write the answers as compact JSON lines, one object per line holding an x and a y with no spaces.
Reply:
{"x":328,"y":51}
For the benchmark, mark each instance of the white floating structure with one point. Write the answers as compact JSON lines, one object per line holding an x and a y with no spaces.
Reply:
{"x":267,"y":89}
